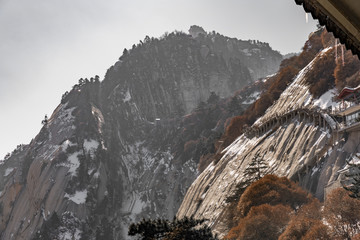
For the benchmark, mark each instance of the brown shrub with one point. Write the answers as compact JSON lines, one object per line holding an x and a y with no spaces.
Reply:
{"x":353,"y":80}
{"x":344,"y":73}
{"x":327,"y":39}
{"x":342,"y":213}
{"x":272,"y":190}
{"x":306,"y":224}
{"x":205,"y":160}
{"x":276,"y":208}
{"x":260,"y":106}
{"x":320,"y":77}
{"x":318,"y":231}
{"x":310,"y":49}
{"x":356,"y":237}
{"x":234,"y":129}
{"x":284,"y":77}
{"x":262,"y":222}
{"x":288,"y":62}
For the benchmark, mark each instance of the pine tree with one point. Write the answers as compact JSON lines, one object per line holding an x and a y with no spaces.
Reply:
{"x":234,"y":106}
{"x":97,"y":79}
{"x":125,"y":53}
{"x":256,"y":168}
{"x":179,"y":229}
{"x":252,"y":173}
{"x":213,"y":98}
{"x":45,"y":121}
{"x":201,"y":106}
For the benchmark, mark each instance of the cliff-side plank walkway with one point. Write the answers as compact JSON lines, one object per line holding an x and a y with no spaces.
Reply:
{"x":319,"y":118}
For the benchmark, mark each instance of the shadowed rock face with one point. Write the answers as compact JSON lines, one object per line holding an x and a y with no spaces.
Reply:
{"x":110,"y":153}
{"x":302,"y":148}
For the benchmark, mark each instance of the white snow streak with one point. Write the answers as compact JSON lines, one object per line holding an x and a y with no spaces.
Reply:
{"x":326,"y":100}
{"x":252,"y":98}
{"x":127,"y":96}
{"x":66,"y":144}
{"x":79,"y":197}
{"x":90,"y":146}
{"x":8,"y":171}
{"x":72,"y":163}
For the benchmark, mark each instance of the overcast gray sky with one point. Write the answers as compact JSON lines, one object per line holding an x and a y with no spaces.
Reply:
{"x":47,"y":45}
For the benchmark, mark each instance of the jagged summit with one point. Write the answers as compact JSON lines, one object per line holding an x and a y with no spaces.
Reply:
{"x":195,"y":31}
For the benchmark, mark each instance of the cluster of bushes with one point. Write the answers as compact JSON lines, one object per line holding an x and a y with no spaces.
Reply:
{"x":320,"y":78}
{"x":277,"y":208}
{"x":178,"y":229}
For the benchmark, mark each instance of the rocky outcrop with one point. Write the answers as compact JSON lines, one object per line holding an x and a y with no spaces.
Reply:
{"x":257,"y":56}
{"x":295,"y":139}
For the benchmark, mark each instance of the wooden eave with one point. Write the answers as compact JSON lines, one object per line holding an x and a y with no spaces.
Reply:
{"x":346,"y":92}
{"x":341,"y":17}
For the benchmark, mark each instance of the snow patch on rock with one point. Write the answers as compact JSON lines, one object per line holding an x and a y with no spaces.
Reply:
{"x":127,"y":96}
{"x":68,"y":235}
{"x":326,"y":100}
{"x":79,"y":197}
{"x":252,"y":98}
{"x":90,"y":146}
{"x":67,"y":143}
{"x":8,"y":171}
{"x":72,"y":163}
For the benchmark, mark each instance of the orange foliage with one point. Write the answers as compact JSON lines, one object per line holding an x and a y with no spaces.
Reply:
{"x":276,"y":208}
{"x":234,"y":129}
{"x":262,"y":222}
{"x":327,"y":39}
{"x":342,"y":213}
{"x":356,"y":237}
{"x":310,"y":49}
{"x":205,"y":160}
{"x":344,"y":75}
{"x":321,"y":78}
{"x":260,"y":106}
{"x":283,"y":78}
{"x":317,"y":231}
{"x":189,"y":148}
{"x":306,"y":224}
{"x":272,"y":190}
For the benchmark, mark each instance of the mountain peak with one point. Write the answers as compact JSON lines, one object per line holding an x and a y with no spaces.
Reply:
{"x":196,"y":30}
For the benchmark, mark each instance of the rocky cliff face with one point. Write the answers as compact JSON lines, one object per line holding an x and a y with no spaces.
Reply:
{"x":111,"y":152}
{"x":257,"y":56}
{"x":296,"y":137}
